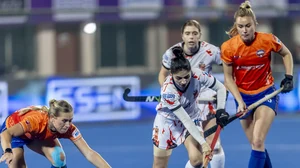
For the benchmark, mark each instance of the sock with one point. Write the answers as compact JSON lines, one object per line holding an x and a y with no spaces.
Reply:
{"x":257,"y":159}
{"x":268,"y":163}
{"x":188,"y":165}
{"x":218,"y":160}
{"x":65,"y":166}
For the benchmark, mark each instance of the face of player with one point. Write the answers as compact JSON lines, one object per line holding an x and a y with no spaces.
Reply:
{"x":191,"y":37}
{"x":63,"y":122}
{"x":182,"y":78}
{"x":246,"y":28}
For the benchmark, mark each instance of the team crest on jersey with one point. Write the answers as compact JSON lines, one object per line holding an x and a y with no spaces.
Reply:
{"x":75,"y":133}
{"x":169,"y":98}
{"x":260,"y":53}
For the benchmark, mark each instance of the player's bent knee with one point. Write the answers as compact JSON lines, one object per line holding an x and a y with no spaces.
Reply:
{"x":195,"y":158}
{"x":161,"y":152}
{"x":58,"y":157}
{"x":195,"y":161}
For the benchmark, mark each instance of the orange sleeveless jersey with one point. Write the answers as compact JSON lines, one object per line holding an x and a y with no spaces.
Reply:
{"x":251,"y":64}
{"x":35,"y":125}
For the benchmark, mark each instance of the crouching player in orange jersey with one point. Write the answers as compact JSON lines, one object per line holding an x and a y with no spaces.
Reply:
{"x":39,"y":128}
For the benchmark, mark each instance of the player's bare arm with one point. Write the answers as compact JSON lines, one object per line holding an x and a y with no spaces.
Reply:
{"x":91,"y":155}
{"x":229,"y":82}
{"x":232,"y":87}
{"x":163,"y":73}
{"x":7,"y":135}
{"x":287,"y":59}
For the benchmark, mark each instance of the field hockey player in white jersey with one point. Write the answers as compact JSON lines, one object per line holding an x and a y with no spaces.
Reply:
{"x":201,"y":55}
{"x":178,"y":109}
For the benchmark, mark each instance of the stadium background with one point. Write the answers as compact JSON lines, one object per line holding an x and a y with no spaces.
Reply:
{"x":89,"y":51}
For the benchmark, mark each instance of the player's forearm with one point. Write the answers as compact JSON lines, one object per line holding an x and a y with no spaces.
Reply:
{"x":221,"y":94}
{"x":161,"y":78}
{"x":232,"y":87}
{"x":96,"y":159}
{"x":288,"y":64}
{"x":189,"y":125}
{"x":163,"y":73}
{"x":5,"y":140}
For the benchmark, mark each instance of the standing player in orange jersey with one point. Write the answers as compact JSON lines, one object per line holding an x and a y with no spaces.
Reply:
{"x":247,"y":72}
{"x":39,"y":128}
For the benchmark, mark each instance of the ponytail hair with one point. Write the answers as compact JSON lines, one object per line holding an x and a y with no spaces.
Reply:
{"x":244,"y":10}
{"x":59,"y":106}
{"x":179,"y":63}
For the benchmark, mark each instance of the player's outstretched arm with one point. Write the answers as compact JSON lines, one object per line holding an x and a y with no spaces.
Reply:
{"x":92,"y":156}
{"x":193,"y":130}
{"x":6,"y":137}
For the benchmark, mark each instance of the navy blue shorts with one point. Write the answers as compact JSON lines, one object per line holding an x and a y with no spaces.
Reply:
{"x":249,"y":99}
{"x":16,"y":142}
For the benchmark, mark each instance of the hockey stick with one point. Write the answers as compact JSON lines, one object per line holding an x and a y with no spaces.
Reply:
{"x":251,"y":107}
{"x":213,"y":129}
{"x":139,"y":98}
{"x":151,"y":98}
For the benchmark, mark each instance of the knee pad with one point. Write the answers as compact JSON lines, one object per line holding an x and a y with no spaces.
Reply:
{"x":58,"y":157}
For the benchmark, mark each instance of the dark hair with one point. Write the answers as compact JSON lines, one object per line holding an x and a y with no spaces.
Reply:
{"x":191,"y":23}
{"x":180,"y":63}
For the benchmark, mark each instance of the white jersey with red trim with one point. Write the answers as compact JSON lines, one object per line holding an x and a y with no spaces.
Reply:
{"x":172,"y":98}
{"x":203,"y":58}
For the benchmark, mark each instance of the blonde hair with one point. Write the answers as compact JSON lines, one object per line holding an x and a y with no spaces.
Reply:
{"x":244,"y":10}
{"x":55,"y":108}
{"x":191,"y":23}
{"x":33,"y":108}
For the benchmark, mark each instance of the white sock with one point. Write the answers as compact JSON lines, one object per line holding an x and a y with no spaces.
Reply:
{"x":188,"y":165}
{"x":218,"y":160}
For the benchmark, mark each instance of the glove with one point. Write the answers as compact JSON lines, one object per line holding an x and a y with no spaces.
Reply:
{"x":222,"y":117}
{"x":287,"y":84}
{"x":177,"y":51}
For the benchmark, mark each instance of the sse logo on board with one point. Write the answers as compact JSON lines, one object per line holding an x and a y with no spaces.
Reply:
{"x":96,"y":99}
